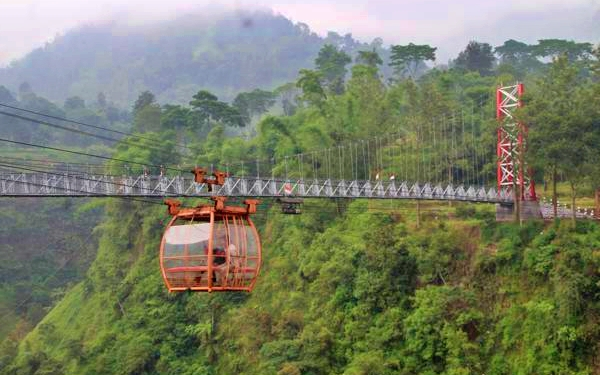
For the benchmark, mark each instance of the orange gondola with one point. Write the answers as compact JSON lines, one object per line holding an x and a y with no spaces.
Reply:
{"x":210,"y":248}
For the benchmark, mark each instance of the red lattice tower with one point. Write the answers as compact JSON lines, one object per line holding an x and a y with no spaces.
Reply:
{"x":511,"y":144}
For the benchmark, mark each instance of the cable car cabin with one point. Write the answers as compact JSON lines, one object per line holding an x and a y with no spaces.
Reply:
{"x":210,"y":248}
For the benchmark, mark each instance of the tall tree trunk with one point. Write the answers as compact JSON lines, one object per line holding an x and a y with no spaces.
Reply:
{"x":597,"y":211}
{"x":554,"y":194}
{"x":573,"y":195}
{"x":449,"y":178}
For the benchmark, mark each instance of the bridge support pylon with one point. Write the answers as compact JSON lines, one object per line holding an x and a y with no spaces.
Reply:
{"x":513,"y":173}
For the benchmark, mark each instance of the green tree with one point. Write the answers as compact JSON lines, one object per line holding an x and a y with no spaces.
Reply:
{"x":275,"y":137}
{"x":181,"y":120}
{"x":175,"y":117}
{"x":407,"y":59}
{"x":593,"y":101}
{"x":75,"y":109}
{"x":146,"y":113}
{"x":437,"y":332}
{"x":74,"y":103}
{"x":253,"y":103}
{"x":519,"y":55}
{"x":517,"y":59}
{"x":557,"y":115}
{"x":476,"y":57}
{"x":366,"y":107}
{"x":309,"y":81}
{"x":288,"y":94}
{"x":552,"y":48}
{"x":34,"y":131}
{"x":146,"y":98}
{"x":147,"y":119}
{"x":370,"y":58}
{"x":331,"y":63}
{"x":208,"y":106}
{"x":513,"y":52}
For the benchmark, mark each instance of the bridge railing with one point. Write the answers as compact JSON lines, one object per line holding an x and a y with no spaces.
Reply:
{"x":81,"y":184}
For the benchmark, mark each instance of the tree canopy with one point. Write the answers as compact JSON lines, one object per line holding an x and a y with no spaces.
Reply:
{"x":406,"y":58}
{"x":477,"y":57}
{"x":553,"y":48}
{"x":370,"y":58}
{"x":208,"y":106}
{"x":331,"y":64}
{"x":253,"y":103}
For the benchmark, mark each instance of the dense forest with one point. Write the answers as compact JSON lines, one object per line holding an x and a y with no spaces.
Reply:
{"x":225,"y":54}
{"x":357,"y":287}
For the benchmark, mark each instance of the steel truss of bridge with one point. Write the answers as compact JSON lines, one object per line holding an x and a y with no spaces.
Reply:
{"x":88,"y":185}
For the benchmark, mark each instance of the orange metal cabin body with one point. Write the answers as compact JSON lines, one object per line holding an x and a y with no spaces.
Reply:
{"x":210,"y":248}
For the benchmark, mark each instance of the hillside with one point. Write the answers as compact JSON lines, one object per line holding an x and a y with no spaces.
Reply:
{"x":47,"y":247}
{"x":364,"y":293}
{"x":362,"y":287}
{"x":225,"y":54}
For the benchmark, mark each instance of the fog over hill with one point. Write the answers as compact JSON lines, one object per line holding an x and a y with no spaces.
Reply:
{"x":173,"y":59}
{"x":228,"y":51}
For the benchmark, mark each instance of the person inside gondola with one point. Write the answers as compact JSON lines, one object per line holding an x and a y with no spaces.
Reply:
{"x":219,"y":259}
{"x":219,"y":256}
{"x":234,"y":256}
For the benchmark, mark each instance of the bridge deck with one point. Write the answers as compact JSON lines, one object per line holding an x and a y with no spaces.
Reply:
{"x":86,"y":185}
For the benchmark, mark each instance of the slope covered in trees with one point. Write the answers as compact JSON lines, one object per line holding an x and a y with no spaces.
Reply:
{"x":46,"y":248}
{"x":364,"y":292}
{"x":347,"y":288}
{"x":224,"y":53}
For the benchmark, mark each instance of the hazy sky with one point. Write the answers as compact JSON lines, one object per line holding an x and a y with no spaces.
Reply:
{"x":448,"y":24}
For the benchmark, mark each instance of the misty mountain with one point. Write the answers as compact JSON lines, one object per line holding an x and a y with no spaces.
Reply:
{"x":173,"y":59}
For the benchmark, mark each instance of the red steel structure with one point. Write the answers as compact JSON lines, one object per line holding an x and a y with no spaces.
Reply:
{"x":512,"y":168}
{"x":210,"y":248}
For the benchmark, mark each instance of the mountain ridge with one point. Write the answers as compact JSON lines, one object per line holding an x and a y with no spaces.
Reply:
{"x":173,"y":59}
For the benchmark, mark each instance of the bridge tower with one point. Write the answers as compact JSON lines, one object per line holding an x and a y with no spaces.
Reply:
{"x":512,"y":169}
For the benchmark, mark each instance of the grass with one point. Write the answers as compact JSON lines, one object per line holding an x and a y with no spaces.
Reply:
{"x":584,"y":200}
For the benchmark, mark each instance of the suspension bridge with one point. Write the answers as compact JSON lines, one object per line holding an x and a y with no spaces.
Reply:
{"x":88,"y":185}
{"x":440,"y":159}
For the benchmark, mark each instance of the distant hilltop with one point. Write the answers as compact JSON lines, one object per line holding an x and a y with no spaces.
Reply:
{"x":225,"y":54}
{"x":173,"y":59}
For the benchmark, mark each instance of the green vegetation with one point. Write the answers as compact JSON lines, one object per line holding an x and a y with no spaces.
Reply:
{"x":564,"y":116}
{"x":47,"y":247}
{"x":364,"y":292}
{"x":347,"y":287}
{"x":407,"y":59}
